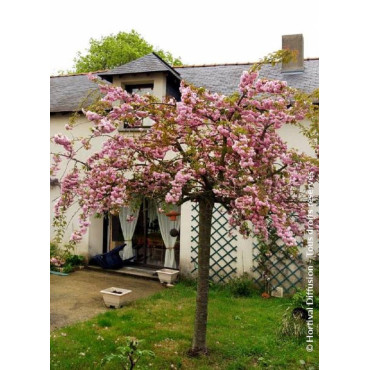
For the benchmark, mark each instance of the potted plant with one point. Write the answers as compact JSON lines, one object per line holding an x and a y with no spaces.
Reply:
{"x":167,"y":276}
{"x":57,"y":263}
{"x":114,"y":297}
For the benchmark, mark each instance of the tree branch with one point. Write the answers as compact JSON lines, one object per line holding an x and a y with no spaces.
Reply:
{"x":73,"y":159}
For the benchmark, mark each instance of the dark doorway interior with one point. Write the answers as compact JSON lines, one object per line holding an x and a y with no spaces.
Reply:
{"x":148,"y":245}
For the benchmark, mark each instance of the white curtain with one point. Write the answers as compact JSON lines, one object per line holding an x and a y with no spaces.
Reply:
{"x":166,"y":225}
{"x":128,"y":228}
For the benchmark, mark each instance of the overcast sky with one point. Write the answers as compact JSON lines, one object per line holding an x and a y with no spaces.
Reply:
{"x":200,"y":32}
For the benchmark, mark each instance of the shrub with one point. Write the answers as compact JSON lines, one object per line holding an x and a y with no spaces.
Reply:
{"x":300,"y":297}
{"x":63,"y":259}
{"x":75,"y":260}
{"x":67,"y":268}
{"x":242,"y":286}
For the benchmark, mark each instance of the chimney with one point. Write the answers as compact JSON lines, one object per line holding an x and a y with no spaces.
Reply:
{"x":293,"y":42}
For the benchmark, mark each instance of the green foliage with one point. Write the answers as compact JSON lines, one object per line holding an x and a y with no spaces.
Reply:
{"x":61,"y":259}
{"x":242,"y":286}
{"x":129,"y":354}
{"x":71,"y":261}
{"x":279,"y":56}
{"x":59,"y":225}
{"x":312,"y":130}
{"x":114,"y":50}
{"x":300,"y":297}
{"x":54,"y":249}
{"x":75,"y":260}
{"x":67,"y":268}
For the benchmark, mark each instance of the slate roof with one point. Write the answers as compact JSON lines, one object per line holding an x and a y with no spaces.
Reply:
{"x":225,"y":79}
{"x":67,"y":92}
{"x":148,"y":63}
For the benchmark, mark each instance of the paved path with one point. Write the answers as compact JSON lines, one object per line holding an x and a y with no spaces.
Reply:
{"x":77,"y":297}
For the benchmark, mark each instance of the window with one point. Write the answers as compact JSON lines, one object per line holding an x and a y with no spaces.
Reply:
{"x":139,"y":89}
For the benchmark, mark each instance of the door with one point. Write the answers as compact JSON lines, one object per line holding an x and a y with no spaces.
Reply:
{"x":148,"y":245}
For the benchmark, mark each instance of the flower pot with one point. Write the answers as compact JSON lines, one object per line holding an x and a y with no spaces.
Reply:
{"x":114,"y":297}
{"x":278,"y":292}
{"x":167,"y":275}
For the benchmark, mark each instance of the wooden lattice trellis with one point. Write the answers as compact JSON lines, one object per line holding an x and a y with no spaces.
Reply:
{"x":223,"y":245}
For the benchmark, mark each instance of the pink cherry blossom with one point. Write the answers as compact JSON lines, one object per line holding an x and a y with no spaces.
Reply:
{"x":206,"y":145}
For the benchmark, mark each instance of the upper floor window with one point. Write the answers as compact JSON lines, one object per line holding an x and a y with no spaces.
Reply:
{"x":139,"y":89}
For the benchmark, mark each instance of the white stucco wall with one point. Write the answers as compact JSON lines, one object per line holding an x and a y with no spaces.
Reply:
{"x":294,"y":138}
{"x":57,"y":125}
{"x":95,"y":235}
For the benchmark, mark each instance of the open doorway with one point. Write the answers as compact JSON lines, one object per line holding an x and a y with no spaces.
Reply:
{"x":148,"y":243}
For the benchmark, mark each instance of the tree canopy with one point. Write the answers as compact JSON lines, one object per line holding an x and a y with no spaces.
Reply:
{"x":114,"y":50}
{"x":208,"y":148}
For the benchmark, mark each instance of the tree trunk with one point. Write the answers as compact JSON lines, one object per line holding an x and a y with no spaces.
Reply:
{"x":204,"y":247}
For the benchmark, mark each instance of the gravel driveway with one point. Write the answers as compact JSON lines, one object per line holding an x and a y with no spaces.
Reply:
{"x":77,"y":297}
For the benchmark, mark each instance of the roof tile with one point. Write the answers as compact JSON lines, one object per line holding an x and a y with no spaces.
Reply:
{"x":148,"y":63}
{"x":225,"y":79}
{"x":67,"y":92}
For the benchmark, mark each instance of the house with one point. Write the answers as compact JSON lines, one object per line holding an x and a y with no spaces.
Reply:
{"x":231,"y":255}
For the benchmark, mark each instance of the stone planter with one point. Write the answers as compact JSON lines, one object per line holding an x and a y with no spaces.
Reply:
{"x":114,"y":297}
{"x":278,"y":292}
{"x":167,"y":276}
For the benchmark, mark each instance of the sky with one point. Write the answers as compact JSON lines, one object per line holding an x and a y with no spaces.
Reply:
{"x":200,"y":32}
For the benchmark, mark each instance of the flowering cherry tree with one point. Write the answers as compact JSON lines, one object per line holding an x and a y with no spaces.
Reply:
{"x":206,"y":148}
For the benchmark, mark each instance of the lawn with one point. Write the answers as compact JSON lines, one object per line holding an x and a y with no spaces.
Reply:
{"x":242,"y":334}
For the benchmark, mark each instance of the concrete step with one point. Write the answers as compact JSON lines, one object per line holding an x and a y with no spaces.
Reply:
{"x":145,"y":273}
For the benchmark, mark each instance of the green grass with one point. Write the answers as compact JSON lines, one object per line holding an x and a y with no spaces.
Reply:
{"x":242,"y":334}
